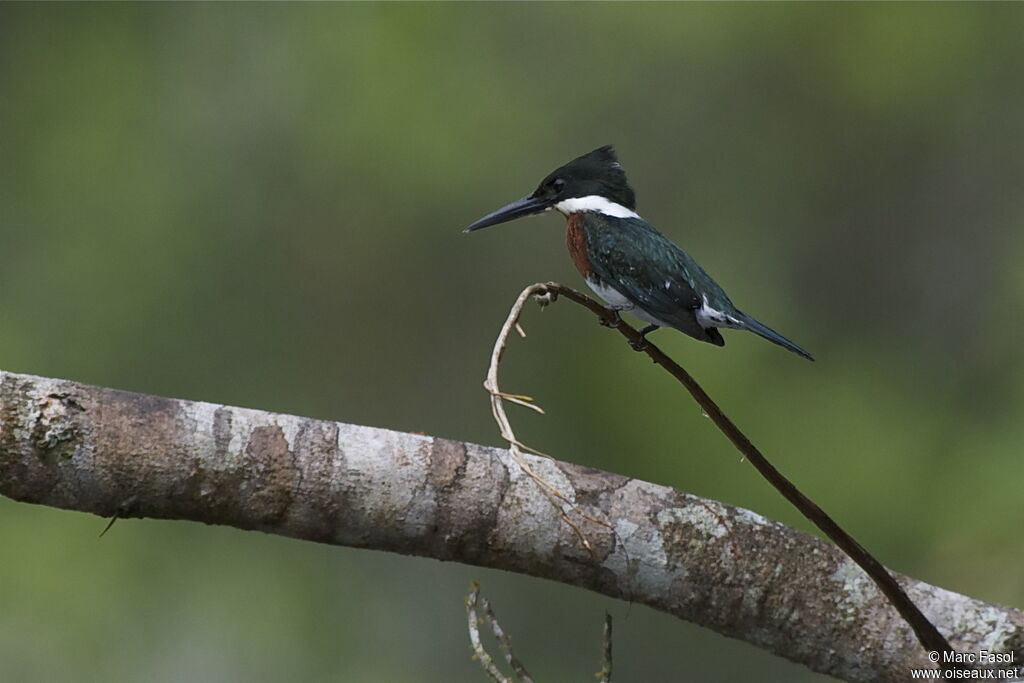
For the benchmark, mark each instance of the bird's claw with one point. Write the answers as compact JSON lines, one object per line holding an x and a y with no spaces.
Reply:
{"x":641,"y":343}
{"x":610,"y":319}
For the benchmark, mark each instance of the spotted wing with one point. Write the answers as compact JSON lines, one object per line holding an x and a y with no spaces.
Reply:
{"x":640,"y":263}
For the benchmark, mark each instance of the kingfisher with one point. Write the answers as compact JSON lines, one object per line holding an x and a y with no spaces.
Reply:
{"x":625,"y":260}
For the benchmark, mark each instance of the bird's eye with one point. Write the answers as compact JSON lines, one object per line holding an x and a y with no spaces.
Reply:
{"x":557,"y":184}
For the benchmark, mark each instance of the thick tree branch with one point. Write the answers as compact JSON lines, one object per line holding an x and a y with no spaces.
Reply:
{"x":110,"y":453}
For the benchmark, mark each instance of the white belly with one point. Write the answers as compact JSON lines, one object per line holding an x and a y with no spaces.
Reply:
{"x":614,"y":299}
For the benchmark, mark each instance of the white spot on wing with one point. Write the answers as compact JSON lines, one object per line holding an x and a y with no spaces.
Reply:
{"x":597,"y":204}
{"x":709,"y":317}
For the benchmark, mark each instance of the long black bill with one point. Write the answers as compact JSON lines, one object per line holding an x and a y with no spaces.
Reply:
{"x":526,"y":206}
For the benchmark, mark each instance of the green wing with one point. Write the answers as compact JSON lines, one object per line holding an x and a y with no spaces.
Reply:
{"x":640,"y":263}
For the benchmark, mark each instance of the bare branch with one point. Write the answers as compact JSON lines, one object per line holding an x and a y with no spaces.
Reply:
{"x":605,"y":674}
{"x":929,"y":636}
{"x":110,"y":452}
{"x":479,"y":652}
{"x":562,"y":505}
{"x":506,"y":645}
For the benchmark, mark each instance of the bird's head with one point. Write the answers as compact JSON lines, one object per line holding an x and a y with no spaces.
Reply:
{"x":592,"y":182}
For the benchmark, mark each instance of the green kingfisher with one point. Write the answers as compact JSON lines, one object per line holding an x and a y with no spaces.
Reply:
{"x":625,"y":260}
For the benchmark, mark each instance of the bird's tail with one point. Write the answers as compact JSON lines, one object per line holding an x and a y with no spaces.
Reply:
{"x":771,"y":335}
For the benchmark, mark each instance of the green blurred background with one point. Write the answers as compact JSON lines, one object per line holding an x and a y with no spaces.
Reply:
{"x":261,"y":205}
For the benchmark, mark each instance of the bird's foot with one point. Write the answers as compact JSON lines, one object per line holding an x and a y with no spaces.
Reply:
{"x":641,"y":343}
{"x":611,"y":318}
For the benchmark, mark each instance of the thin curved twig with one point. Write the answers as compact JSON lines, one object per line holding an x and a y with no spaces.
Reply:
{"x":505,"y":643}
{"x":479,"y":653}
{"x":486,"y":661}
{"x":605,"y":674}
{"x":473,"y":601}
{"x":498,"y":397}
{"x":927,"y":634}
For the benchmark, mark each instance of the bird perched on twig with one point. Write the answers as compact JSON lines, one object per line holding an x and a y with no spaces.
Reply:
{"x":625,"y":260}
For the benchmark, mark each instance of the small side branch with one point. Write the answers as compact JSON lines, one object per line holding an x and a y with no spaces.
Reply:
{"x":605,"y":674}
{"x":565,"y":508}
{"x":479,"y":652}
{"x":504,"y":642}
{"x":474,"y":601}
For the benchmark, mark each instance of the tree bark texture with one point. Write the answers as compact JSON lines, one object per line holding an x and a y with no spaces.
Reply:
{"x":110,"y":452}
